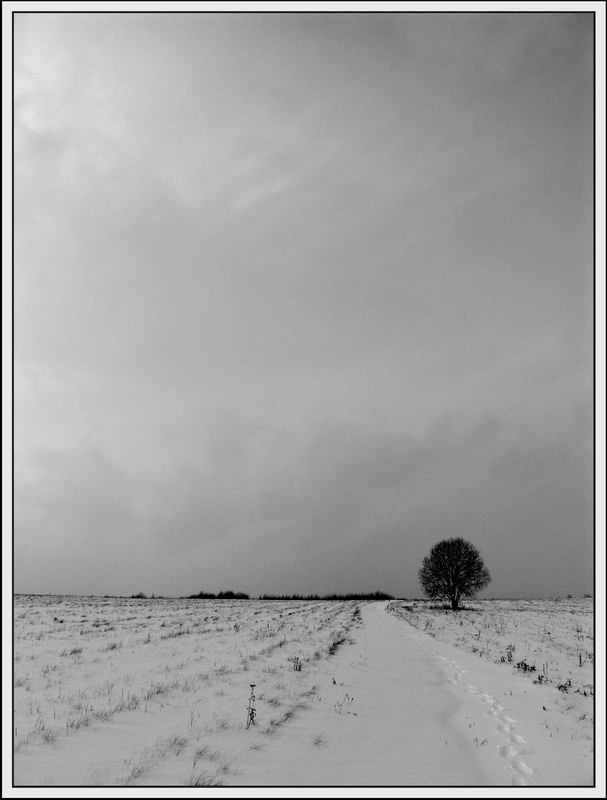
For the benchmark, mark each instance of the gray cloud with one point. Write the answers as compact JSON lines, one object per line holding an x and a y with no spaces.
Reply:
{"x":74,"y":513}
{"x":352,"y":507}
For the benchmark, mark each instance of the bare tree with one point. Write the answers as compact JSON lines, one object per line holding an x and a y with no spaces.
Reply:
{"x":453,"y":569}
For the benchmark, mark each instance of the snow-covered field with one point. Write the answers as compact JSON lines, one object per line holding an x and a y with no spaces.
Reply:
{"x":140,"y":692}
{"x":136,"y":692}
{"x":549,"y":641}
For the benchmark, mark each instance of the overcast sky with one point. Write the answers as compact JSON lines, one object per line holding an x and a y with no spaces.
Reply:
{"x":297,"y":296}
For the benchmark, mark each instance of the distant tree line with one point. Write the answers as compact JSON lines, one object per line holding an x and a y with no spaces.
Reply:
{"x":374,"y":596}
{"x":230,"y":595}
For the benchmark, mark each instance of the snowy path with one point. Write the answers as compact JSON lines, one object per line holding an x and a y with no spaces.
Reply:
{"x":397,"y":708}
{"x":395,"y":731}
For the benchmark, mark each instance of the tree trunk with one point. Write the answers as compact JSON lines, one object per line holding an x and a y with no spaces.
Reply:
{"x":454,"y":604}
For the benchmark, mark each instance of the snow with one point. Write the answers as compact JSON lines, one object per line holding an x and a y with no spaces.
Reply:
{"x":148,"y":693}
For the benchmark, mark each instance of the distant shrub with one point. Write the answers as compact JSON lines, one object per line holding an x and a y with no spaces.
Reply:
{"x":229,"y":595}
{"x":139,"y":596}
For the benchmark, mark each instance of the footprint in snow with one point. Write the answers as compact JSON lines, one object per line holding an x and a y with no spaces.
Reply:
{"x":522,"y":768}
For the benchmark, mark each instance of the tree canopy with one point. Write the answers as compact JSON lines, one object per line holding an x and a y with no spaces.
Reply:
{"x":452,"y":570}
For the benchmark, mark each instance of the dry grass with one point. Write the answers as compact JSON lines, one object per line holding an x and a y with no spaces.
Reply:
{"x":110,"y":657}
